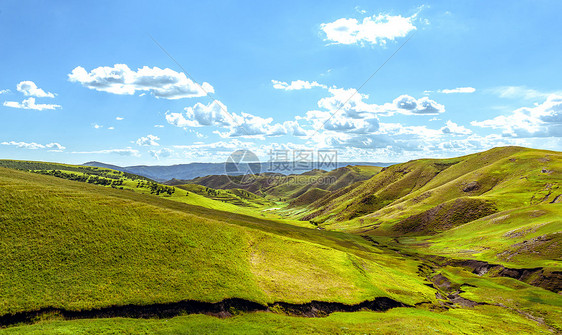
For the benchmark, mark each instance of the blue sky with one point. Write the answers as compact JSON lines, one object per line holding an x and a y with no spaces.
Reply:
{"x":84,"y":81}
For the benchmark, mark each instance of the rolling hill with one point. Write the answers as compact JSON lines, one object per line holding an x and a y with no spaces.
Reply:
{"x":461,"y":245}
{"x":194,"y":170}
{"x":286,"y":187}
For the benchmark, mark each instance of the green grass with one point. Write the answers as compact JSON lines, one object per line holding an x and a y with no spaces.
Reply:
{"x":526,"y":237}
{"x":79,"y":246}
{"x":508,"y":178}
{"x":512,"y":294}
{"x":74,"y":245}
{"x":479,"y":320}
{"x":235,"y":200}
{"x":236,"y":197}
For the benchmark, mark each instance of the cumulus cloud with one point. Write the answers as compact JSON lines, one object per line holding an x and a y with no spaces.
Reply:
{"x":347,"y":120}
{"x":543,"y":120}
{"x":406,"y":104}
{"x":149,"y":140}
{"x":375,"y":30}
{"x":342,"y":122}
{"x":121,"y":152}
{"x":6,"y":91}
{"x":28,"y":88}
{"x":29,"y":103}
{"x":213,"y":114}
{"x":454,"y":129}
{"x":347,"y":103}
{"x":296,"y":85}
{"x":120,"y":79}
{"x":344,"y":115}
{"x":119,"y":118}
{"x":236,"y":125}
{"x":35,"y":146}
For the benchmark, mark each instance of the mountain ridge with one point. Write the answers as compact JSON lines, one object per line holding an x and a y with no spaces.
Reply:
{"x":163,"y":173}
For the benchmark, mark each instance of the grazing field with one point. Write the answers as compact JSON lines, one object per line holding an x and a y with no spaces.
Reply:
{"x":470,"y":244}
{"x":479,"y":320}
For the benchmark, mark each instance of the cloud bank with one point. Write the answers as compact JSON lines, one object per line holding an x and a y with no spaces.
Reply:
{"x":120,"y":79}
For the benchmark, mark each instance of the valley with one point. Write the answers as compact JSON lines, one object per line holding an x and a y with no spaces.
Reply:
{"x":461,"y":245}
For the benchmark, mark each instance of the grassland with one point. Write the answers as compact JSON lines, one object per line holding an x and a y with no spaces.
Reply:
{"x":238,"y":201}
{"x":78,"y":246}
{"x":479,"y":320}
{"x":84,"y":238}
{"x":507,"y":178}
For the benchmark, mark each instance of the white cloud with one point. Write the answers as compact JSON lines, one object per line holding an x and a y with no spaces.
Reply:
{"x":29,"y":103}
{"x":35,"y":146}
{"x":406,"y":104}
{"x":543,"y":120}
{"x":344,"y":117}
{"x":342,"y":122}
{"x":458,"y":90}
{"x":120,"y":79}
{"x":6,"y":91}
{"x":111,"y":128}
{"x":352,"y":105}
{"x":375,"y":30}
{"x":243,"y":125}
{"x":28,"y":88}
{"x":119,"y":118}
{"x":454,"y":129}
{"x":296,"y":85}
{"x":200,"y":115}
{"x":97,"y":126}
{"x":158,"y":126}
{"x":148,"y":140}
{"x":121,"y":152}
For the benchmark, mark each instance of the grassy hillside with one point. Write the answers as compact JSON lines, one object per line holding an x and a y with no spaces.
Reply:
{"x":80,"y":238}
{"x":190,"y":194}
{"x":500,"y":206}
{"x":284,"y":188}
{"x":524,"y":237}
{"x":78,"y":246}
{"x":479,"y":184}
{"x":235,"y":196}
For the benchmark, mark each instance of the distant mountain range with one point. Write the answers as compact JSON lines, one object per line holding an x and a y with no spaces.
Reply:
{"x":194,"y":170}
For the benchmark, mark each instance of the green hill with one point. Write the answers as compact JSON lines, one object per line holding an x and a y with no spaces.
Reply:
{"x":462,"y":245}
{"x":77,"y":246}
{"x":462,"y":200}
{"x":287,"y":187}
{"x":479,"y":184}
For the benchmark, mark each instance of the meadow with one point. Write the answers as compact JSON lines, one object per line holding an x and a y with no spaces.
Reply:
{"x":78,"y":242}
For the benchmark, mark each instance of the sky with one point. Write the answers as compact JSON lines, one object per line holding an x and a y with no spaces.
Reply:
{"x":171,"y":82}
